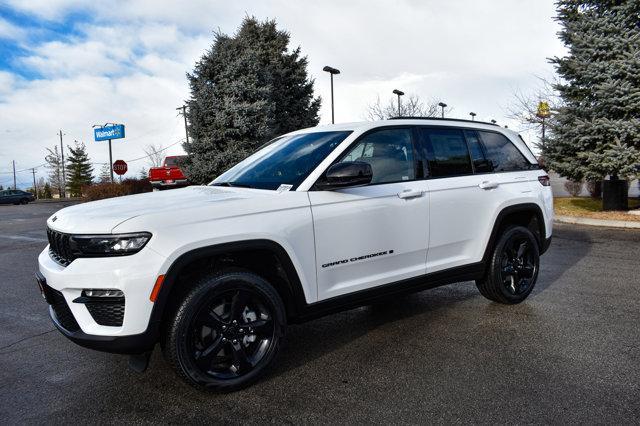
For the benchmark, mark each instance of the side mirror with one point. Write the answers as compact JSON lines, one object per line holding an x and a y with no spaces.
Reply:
{"x":342,"y":175}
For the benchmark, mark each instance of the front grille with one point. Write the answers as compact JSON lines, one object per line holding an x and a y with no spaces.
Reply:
{"x":59,"y":247}
{"x":62,"y":311}
{"x":110,"y":313}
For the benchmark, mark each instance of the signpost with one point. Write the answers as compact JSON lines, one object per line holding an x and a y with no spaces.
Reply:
{"x":543,"y":113}
{"x":106,"y":133}
{"x":120,"y":167}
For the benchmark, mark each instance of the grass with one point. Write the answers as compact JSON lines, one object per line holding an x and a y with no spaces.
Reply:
{"x":592,"y":208}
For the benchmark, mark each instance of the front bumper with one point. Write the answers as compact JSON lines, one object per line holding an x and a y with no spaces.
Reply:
{"x":134,"y":275}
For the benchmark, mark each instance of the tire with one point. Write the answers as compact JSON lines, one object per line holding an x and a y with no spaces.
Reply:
{"x":24,"y":201}
{"x":513,"y":267}
{"x":226,"y":332}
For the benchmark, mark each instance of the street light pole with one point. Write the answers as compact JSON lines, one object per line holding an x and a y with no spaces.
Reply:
{"x":331,"y":71}
{"x":443,"y":106}
{"x":473,"y":116}
{"x":399,"y":93}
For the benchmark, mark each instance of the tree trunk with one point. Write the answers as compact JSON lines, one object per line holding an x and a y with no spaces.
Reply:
{"x":615,"y":194}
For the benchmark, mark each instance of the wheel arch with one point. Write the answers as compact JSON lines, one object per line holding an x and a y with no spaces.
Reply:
{"x":528,"y":215}
{"x":287,"y":284}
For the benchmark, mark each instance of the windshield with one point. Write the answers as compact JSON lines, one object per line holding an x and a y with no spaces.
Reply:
{"x":286,"y":161}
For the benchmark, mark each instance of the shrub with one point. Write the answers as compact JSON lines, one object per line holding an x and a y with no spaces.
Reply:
{"x":573,"y":187}
{"x":137,"y":186}
{"x":100,"y":191}
{"x":595,"y":188}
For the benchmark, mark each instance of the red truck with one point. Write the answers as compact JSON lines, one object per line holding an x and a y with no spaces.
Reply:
{"x":169,"y":174}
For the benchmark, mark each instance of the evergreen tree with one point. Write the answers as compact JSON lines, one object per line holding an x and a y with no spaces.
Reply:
{"x":597,"y":128}
{"x":1,"y":187}
{"x":246,"y":90}
{"x":79,"y":169}
{"x":46,"y":192}
{"x":105,"y":174}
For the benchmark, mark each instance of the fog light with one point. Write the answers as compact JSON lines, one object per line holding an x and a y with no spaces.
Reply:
{"x":103,"y":293}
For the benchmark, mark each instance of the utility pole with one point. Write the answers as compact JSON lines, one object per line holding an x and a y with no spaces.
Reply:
{"x":14,"y":175}
{"x":35,"y":186}
{"x":63,"y":189}
{"x":183,"y":108}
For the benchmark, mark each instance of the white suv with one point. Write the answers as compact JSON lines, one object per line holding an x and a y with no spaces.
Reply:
{"x":318,"y":220}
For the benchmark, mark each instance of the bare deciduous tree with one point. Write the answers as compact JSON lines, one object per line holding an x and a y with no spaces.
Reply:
{"x":524,"y":108}
{"x":155,"y":155}
{"x":410,"y":106}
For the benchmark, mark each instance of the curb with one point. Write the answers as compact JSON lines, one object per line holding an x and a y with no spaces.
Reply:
{"x":598,"y":222}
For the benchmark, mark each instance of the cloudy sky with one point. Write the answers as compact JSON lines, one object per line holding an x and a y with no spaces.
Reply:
{"x":67,"y":64}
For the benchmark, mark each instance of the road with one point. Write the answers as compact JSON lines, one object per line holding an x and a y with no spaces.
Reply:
{"x":569,"y":354}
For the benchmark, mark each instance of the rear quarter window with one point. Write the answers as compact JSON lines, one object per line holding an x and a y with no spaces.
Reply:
{"x":502,"y":153}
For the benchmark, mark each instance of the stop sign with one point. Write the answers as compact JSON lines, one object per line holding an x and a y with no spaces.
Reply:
{"x":120,"y":167}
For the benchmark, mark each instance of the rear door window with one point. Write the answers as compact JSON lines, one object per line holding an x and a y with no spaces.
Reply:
{"x":445,"y":151}
{"x":478,"y":156}
{"x":502,"y":153}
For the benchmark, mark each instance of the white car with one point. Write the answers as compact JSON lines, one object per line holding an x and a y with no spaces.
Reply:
{"x":319,"y":220}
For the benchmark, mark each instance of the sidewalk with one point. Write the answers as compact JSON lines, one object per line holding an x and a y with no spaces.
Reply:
{"x":598,"y":222}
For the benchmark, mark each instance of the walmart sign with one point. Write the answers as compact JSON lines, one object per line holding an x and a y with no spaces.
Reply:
{"x":115,"y":131}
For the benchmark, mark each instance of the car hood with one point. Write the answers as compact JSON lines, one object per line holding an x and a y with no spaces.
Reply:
{"x":103,"y":216}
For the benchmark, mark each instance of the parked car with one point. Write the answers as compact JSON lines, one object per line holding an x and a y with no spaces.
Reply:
{"x":169,"y":174}
{"x":318,"y":221}
{"x":15,"y":196}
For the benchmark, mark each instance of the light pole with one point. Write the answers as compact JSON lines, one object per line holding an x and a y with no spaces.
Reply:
{"x":443,"y":106}
{"x":331,"y":71}
{"x":63,"y":191}
{"x":399,"y":93}
{"x":183,"y":110}
{"x":473,"y":116}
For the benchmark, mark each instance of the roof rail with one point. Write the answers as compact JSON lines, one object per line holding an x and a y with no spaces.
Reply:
{"x":443,"y":119}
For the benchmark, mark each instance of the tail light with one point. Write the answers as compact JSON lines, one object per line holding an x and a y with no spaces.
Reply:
{"x":544,"y":180}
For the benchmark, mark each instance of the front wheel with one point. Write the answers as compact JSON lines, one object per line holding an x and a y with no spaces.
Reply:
{"x":513,"y":267}
{"x":226,"y":332}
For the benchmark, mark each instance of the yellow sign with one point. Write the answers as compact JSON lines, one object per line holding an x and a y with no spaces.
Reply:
{"x":543,"y":110}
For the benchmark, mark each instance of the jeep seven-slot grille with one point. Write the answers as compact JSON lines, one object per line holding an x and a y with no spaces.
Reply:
{"x":59,"y":247}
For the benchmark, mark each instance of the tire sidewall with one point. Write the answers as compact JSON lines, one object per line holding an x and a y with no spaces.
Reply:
{"x":496,"y":262}
{"x":203,"y":294}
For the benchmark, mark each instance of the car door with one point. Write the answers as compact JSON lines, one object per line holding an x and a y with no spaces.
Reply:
{"x":375,"y":234}
{"x":513,"y":171}
{"x":462,"y":203}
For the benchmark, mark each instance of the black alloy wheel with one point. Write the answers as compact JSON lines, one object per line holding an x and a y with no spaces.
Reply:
{"x":226,"y":331}
{"x":513,"y":267}
{"x":231,"y":334}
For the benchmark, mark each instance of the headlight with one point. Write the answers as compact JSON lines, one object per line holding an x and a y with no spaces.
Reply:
{"x":108,"y":245}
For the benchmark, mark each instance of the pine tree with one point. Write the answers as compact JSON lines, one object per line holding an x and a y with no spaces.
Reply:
{"x":105,"y":174}
{"x":54,"y":164}
{"x":79,"y":169}
{"x":246,"y":90}
{"x":597,"y":128}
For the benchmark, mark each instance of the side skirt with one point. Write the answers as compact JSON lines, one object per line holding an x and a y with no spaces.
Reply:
{"x":363,"y":297}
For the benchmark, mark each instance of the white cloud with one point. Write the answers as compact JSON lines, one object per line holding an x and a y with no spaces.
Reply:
{"x":11,"y":32}
{"x":128,"y":64}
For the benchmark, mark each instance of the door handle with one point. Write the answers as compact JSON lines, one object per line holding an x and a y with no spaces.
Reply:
{"x":488,"y":184}
{"x":409,"y":193}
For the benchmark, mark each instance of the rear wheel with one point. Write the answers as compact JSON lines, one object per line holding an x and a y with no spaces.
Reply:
{"x":24,"y":201}
{"x":513,"y":267}
{"x":226,"y":332}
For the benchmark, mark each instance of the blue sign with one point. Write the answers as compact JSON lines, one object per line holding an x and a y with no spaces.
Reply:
{"x":115,"y":131}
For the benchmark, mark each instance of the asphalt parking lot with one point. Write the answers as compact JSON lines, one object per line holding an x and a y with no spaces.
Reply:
{"x":569,"y":354}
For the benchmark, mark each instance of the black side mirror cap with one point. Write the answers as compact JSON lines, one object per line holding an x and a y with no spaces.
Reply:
{"x":343,"y":175}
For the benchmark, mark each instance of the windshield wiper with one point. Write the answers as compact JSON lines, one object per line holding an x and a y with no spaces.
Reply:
{"x":235,"y":184}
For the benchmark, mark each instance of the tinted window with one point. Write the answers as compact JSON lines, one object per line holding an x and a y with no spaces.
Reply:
{"x":446,"y":152}
{"x":480,"y":162}
{"x":502,"y":154}
{"x":287,"y":161}
{"x":389,"y":152}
